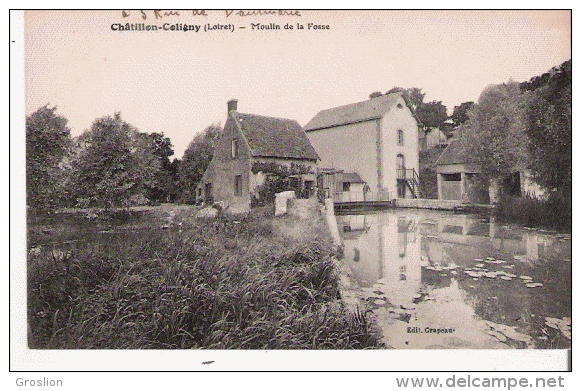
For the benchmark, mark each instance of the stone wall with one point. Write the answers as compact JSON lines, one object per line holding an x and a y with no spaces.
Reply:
{"x":427,"y":204}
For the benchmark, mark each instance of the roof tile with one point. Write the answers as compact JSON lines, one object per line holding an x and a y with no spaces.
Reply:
{"x":275,"y":137}
{"x":356,"y":112}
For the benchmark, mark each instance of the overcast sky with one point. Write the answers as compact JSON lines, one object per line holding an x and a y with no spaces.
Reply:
{"x":178,"y":82}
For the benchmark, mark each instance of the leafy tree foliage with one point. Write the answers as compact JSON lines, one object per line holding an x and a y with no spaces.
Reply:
{"x":173,"y":170}
{"x":196,"y":159}
{"x":48,"y":142}
{"x":414,"y":96}
{"x":166,"y":177}
{"x":460,"y":113}
{"x":550,"y":129}
{"x":279,"y":178}
{"x":114,"y":166}
{"x":432,"y":114}
{"x":496,"y":135}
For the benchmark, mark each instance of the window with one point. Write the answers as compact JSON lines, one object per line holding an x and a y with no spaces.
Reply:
{"x":346,"y":186}
{"x":238,"y":185}
{"x":400,"y":137}
{"x":234,"y":148}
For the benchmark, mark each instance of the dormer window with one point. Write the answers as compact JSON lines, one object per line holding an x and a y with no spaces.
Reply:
{"x":400,"y":137}
{"x":234,"y":148}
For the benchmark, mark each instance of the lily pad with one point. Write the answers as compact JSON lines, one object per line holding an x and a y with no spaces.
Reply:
{"x":511,"y":333}
{"x":497,"y":335}
{"x":563,"y":325}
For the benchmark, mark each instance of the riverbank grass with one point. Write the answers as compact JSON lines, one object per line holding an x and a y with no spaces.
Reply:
{"x":165,"y":280}
{"x":553,"y":212}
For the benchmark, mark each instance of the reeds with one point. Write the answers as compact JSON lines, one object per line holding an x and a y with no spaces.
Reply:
{"x":229,"y":283}
{"x":553,"y":212}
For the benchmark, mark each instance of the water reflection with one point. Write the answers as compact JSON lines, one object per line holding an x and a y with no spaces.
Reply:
{"x":407,"y":258}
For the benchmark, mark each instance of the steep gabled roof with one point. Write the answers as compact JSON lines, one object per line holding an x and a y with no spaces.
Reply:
{"x":275,"y":137}
{"x":452,"y":154}
{"x":370,"y":109}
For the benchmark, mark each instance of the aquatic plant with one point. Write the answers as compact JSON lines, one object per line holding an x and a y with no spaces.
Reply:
{"x":229,"y":283}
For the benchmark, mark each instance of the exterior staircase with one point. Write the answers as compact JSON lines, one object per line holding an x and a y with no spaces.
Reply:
{"x":412,"y":180}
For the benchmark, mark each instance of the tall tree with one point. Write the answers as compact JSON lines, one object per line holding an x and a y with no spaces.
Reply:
{"x":496,"y":132}
{"x":550,"y":129}
{"x":114,"y":166}
{"x":196,"y":159}
{"x":165,"y":179}
{"x":48,"y":141}
{"x":414,"y":96}
{"x":460,"y":113}
{"x":432,"y":114}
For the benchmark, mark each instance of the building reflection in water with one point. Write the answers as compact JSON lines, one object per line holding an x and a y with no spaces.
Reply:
{"x":388,"y":249}
{"x":384,"y":249}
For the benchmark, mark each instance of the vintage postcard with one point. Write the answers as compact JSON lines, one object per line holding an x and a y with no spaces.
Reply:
{"x":291,"y":189}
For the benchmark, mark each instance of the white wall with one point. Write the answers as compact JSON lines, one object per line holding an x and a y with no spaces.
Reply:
{"x":393,"y":120}
{"x":401,"y":254}
{"x":351,"y":148}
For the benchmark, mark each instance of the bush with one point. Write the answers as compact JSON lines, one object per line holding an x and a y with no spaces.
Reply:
{"x":553,"y":212}
{"x":429,"y":183}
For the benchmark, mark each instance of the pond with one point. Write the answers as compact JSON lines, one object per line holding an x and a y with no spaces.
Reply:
{"x":442,"y":280}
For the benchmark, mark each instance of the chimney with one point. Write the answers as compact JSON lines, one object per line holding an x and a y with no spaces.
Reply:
{"x":232,"y":105}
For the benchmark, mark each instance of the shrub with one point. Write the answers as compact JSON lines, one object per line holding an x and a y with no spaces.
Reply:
{"x":553,"y":212}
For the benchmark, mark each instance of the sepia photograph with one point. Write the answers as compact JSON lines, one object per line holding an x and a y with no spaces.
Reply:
{"x":281,"y":180}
